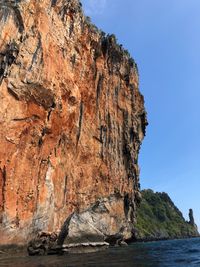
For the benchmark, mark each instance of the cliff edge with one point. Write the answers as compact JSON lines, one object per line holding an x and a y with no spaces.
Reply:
{"x":72,"y":120}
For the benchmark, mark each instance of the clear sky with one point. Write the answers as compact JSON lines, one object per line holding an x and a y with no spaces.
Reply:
{"x":164,"y":39}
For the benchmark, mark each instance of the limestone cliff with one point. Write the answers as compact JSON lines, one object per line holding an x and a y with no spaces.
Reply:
{"x":71,"y":122}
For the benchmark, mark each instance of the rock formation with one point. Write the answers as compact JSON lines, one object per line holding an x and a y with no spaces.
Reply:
{"x":191,"y":217}
{"x":72,"y":120}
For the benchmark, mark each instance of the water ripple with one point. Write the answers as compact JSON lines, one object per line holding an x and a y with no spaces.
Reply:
{"x":175,"y":253}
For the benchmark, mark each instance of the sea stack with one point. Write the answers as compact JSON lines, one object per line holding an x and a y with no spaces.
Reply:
{"x":72,"y":120}
{"x":191,"y":217}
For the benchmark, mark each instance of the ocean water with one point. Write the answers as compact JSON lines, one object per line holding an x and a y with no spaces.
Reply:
{"x":174,"y":253}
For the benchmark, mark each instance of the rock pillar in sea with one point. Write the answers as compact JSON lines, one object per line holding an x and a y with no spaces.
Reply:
{"x":191,"y":217}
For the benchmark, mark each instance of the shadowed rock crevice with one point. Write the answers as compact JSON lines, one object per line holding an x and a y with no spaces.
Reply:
{"x":38,"y":53}
{"x":80,"y":123}
{"x":127,"y":147}
{"x":34,"y":92}
{"x":99,"y":88}
{"x":53,"y":3}
{"x":64,"y":231}
{"x":3,"y":188}
{"x":8,"y":8}
{"x":7,"y":58}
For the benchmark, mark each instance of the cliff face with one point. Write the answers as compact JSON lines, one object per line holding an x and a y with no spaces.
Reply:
{"x":71,"y":121}
{"x":159,"y":218}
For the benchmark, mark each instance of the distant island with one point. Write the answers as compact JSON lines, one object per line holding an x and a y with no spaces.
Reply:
{"x":158,"y":218}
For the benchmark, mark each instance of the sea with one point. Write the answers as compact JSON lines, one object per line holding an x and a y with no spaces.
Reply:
{"x":170,"y":253}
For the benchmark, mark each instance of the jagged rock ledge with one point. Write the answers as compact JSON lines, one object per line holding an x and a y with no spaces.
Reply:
{"x":42,"y":246}
{"x":94,"y":228}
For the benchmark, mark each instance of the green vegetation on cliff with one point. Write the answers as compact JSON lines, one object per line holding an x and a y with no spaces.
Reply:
{"x":159,"y":218}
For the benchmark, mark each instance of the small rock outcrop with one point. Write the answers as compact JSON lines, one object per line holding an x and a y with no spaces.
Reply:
{"x":191,"y":217}
{"x":97,"y":224}
{"x":72,"y":120}
{"x":158,"y":218}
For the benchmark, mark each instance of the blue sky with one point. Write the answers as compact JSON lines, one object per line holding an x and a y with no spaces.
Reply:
{"x":164,"y":39}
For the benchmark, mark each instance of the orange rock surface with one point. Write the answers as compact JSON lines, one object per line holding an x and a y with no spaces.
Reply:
{"x":71,"y":118}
